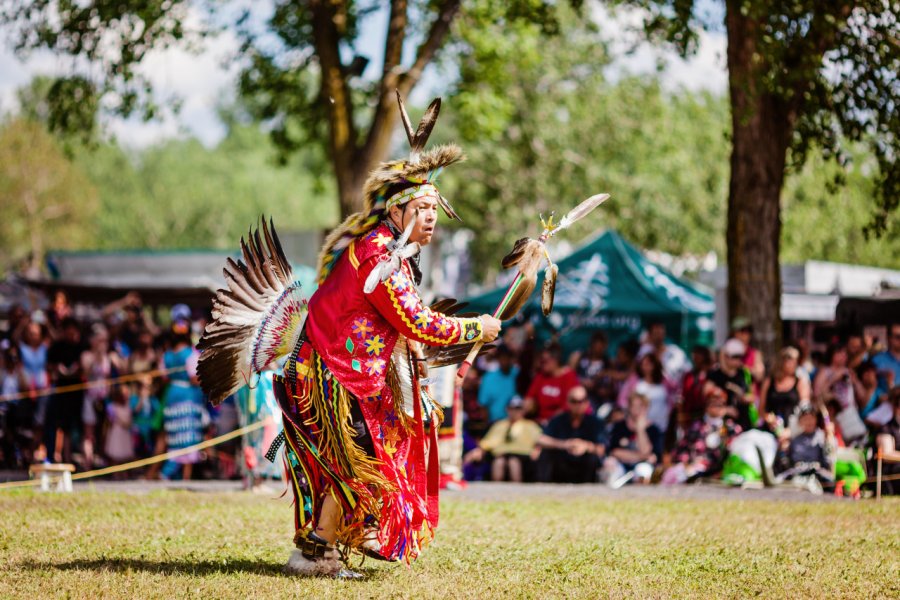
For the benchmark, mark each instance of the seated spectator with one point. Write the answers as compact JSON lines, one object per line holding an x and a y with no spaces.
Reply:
{"x":635,"y":446}
{"x":702,"y":450}
{"x":888,"y":444}
{"x":733,"y":378}
{"x":783,"y":393}
{"x":693,"y":401}
{"x":865,"y":387}
{"x":589,"y":367}
{"x":475,"y":421}
{"x":742,"y":330}
{"x":810,"y":453}
{"x":648,"y":381}
{"x":883,"y":412}
{"x":834,"y":378}
{"x":572,"y":443}
{"x":508,"y":445}
{"x":672,"y":358}
{"x":499,"y":386}
{"x":550,"y":387}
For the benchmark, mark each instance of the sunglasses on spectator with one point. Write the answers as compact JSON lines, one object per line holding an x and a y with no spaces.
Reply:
{"x":577,"y":400}
{"x":736,"y":356}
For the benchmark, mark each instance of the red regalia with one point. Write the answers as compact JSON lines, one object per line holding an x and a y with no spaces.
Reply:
{"x":359,"y":424}
{"x":363,"y":348}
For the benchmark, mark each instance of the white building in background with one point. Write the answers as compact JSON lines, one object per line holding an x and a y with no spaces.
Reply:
{"x":810,"y":293}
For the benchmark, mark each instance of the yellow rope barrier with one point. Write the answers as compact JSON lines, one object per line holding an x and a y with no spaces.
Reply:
{"x":148,"y":461}
{"x":88,"y":384}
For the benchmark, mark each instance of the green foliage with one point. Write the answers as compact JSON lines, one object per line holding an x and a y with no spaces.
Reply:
{"x":182,"y":195}
{"x":833,"y":68}
{"x":544,"y":129}
{"x":45,"y":202}
{"x":827,"y":222}
{"x":112,"y":36}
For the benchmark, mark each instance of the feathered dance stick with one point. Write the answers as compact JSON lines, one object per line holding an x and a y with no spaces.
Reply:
{"x":527,"y":255}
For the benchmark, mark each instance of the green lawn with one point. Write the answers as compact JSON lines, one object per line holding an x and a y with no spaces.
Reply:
{"x":172,"y":544}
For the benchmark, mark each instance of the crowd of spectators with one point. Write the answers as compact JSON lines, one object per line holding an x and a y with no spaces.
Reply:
{"x":650,"y":414}
{"x":105,"y":387}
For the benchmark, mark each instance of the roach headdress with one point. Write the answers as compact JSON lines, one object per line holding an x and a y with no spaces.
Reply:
{"x":395,"y":183}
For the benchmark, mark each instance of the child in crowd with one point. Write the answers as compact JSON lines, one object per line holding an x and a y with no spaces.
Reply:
{"x":634,"y":446}
{"x":702,"y":450}
{"x":146,"y":417}
{"x":119,"y":446}
{"x":810,"y":454}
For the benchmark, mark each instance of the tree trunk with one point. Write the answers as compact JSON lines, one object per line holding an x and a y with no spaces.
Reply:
{"x":761,"y":129}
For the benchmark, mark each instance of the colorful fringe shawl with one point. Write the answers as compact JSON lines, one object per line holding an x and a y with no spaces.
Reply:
{"x":391,"y":495}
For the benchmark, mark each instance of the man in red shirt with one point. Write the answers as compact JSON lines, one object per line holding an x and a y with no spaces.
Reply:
{"x":547,"y":395}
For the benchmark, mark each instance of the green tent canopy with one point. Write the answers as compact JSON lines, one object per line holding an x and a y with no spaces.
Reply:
{"x":608,"y":285}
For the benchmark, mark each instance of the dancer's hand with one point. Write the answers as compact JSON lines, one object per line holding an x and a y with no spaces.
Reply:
{"x":490,"y":328}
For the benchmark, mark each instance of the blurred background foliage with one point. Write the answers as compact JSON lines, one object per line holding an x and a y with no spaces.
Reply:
{"x":541,"y":120}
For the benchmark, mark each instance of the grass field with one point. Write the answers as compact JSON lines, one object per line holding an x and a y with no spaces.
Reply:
{"x":174,"y":544}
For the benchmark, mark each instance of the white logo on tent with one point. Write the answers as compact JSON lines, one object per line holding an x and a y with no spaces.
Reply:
{"x":674,"y":291}
{"x":586,"y":286}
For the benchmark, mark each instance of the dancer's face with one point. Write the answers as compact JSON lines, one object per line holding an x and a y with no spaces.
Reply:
{"x":424,"y":212}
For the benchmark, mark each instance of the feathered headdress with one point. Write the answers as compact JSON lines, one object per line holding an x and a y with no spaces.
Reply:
{"x":390,"y":181}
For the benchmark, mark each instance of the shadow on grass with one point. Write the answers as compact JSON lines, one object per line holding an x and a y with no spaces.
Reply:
{"x":174,"y":567}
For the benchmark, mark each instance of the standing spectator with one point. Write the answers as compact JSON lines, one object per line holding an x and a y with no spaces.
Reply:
{"x":805,"y":361}
{"x":702,"y":450}
{"x":784,"y":392}
{"x":888,"y":362}
{"x":508,"y":445}
{"x":589,"y":366}
{"x":128,"y":311}
{"x":693,"y":402}
{"x":119,"y":446}
{"x":15,"y":415}
{"x":499,"y":386}
{"x":59,"y":310}
{"x":674,"y":362}
{"x":742,"y":329}
{"x":857,"y":351}
{"x":733,"y":377}
{"x":635,"y":446}
{"x":184,"y":412}
{"x":64,"y":409}
{"x":548,"y":391}
{"x":572,"y":443}
{"x":146,"y":419}
{"x":143,"y":355}
{"x":99,"y":365}
{"x":649,"y":381}
{"x":33,"y":349}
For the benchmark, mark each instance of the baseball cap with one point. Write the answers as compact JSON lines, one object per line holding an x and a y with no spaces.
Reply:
{"x":734,"y":347}
{"x":739,"y":323}
{"x":181,"y":312}
{"x":516,"y":402}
